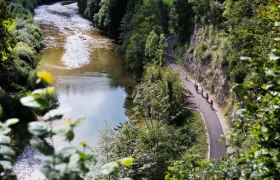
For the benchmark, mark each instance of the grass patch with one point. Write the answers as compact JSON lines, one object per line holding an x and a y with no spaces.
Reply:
{"x":200,"y":145}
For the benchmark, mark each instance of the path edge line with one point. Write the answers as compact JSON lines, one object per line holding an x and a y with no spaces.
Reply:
{"x":222,"y":120}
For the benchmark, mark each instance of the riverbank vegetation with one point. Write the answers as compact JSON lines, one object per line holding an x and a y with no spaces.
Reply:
{"x":134,"y":26}
{"x":232,"y":37}
{"x":21,"y":40}
{"x":160,"y":130}
{"x":211,"y":37}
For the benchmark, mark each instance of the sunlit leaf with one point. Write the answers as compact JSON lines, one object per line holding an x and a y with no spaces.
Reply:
{"x":4,"y":57}
{"x":40,"y":129}
{"x":273,"y":57}
{"x":126,"y":161}
{"x":244,"y":58}
{"x":4,"y":130}
{"x":67,"y":152}
{"x":6,"y":164}
{"x":267,"y":86}
{"x":240,"y":111}
{"x":255,"y":132}
{"x":67,"y":121}
{"x":264,"y":129}
{"x":9,"y":24}
{"x":54,"y":114}
{"x":109,"y":168}
{"x":269,"y":72}
{"x":66,"y":133}
{"x":47,"y":77}
{"x":274,"y":7}
{"x":30,"y":101}
{"x":7,"y":151}
{"x":12,"y":121}
{"x":82,"y":144}
{"x":44,"y":91}
{"x":83,"y":156}
{"x":5,"y":140}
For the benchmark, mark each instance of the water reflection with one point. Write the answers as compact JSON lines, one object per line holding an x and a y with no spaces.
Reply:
{"x":89,"y":75}
{"x":101,"y":104}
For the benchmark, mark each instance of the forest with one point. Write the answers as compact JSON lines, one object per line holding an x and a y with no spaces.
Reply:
{"x":231,"y":48}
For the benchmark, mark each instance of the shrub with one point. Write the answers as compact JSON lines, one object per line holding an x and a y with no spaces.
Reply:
{"x":25,"y":52}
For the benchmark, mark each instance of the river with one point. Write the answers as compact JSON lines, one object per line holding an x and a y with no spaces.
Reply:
{"x":88,"y":76}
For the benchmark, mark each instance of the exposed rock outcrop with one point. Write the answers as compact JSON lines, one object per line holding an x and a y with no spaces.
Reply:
{"x":204,"y":62}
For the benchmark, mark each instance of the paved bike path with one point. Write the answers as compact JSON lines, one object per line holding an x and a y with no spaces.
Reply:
{"x":214,"y":128}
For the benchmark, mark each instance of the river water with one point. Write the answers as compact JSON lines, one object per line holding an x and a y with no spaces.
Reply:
{"x":89,"y":76}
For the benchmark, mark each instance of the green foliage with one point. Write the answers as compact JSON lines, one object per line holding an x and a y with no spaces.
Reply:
{"x":130,"y":21}
{"x":113,"y":167}
{"x":159,"y":131}
{"x":134,"y":54}
{"x":151,"y":148}
{"x":151,"y":46}
{"x":110,"y":15}
{"x":192,"y":168}
{"x":6,"y":26}
{"x":24,"y":52}
{"x":65,"y":162}
{"x":256,"y":129}
{"x":153,"y":145}
{"x":18,"y":73}
{"x":169,"y":2}
{"x":182,"y":19}
{"x":249,"y":32}
{"x":155,"y":49}
{"x":202,"y":53}
{"x":30,"y":5}
{"x":92,"y":8}
{"x":208,"y":11}
{"x":160,"y":96}
{"x":7,"y":154}
{"x":88,"y":8}
{"x":26,"y":30}
{"x":148,"y":17}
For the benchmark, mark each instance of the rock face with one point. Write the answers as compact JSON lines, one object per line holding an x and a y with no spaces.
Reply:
{"x":203,"y":62}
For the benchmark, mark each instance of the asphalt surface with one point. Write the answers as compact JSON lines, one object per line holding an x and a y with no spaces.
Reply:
{"x":196,"y":101}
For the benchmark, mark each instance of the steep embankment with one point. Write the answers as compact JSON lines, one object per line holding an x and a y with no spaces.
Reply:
{"x":220,"y":35}
{"x":204,"y":61}
{"x":212,"y":122}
